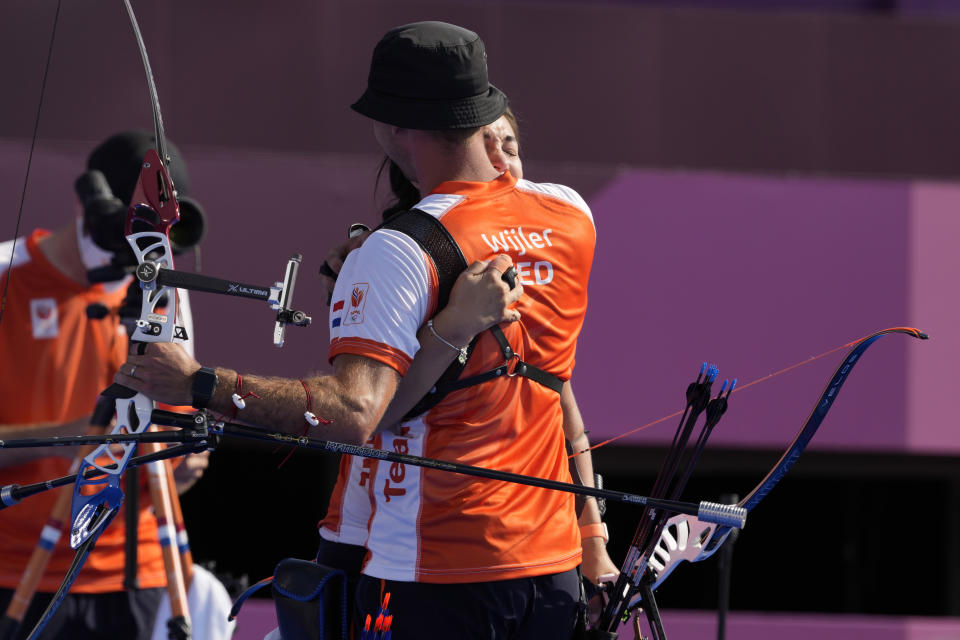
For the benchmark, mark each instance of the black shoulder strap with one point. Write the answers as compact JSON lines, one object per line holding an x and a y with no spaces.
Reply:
{"x":436,"y":242}
{"x":449,"y":261}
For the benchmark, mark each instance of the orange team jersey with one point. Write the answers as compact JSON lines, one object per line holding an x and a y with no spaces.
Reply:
{"x":55,"y":362}
{"x":432,"y":526}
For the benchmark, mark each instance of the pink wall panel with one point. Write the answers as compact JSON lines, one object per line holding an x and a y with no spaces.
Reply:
{"x":755,"y":274}
{"x":934,"y":304}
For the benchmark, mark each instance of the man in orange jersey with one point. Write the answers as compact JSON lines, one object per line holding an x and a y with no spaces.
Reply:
{"x":57,"y":358}
{"x":461,"y":557}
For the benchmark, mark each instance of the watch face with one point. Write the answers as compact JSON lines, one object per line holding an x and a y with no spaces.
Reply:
{"x":204,"y":384}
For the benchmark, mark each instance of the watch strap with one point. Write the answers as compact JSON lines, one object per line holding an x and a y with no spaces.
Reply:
{"x":204,"y":384}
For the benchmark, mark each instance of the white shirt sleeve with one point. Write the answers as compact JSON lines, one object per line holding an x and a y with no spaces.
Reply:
{"x":381,"y":299}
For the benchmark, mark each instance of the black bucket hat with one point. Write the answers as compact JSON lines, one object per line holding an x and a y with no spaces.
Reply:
{"x":430,"y":75}
{"x":119,"y":159}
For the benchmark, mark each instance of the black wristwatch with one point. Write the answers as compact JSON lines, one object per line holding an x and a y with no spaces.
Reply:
{"x":204,"y":384}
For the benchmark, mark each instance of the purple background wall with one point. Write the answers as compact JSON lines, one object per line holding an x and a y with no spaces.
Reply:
{"x":757,"y":274}
{"x":597,"y":82}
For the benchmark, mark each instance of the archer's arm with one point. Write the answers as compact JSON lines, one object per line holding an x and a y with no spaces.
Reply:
{"x":479,"y":299}
{"x":596,"y":560}
{"x":353,"y":398}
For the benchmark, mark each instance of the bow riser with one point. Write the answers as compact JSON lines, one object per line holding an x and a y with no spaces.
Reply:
{"x":153,"y":251}
{"x":694,"y":541}
{"x":153,"y":210}
{"x":154,"y":198}
{"x":154,"y":207}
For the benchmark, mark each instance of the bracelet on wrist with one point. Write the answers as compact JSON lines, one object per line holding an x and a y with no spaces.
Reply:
{"x":596,"y":530}
{"x":460,"y":350}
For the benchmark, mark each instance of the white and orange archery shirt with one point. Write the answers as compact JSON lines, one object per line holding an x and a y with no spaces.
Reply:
{"x":427,"y":525}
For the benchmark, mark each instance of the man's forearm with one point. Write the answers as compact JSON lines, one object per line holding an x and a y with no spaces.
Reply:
{"x":352,"y":400}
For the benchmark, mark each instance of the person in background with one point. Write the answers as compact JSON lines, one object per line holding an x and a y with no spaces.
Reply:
{"x":56,"y":359}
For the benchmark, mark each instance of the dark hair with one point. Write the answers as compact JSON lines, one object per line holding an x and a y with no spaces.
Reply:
{"x":406,"y":194}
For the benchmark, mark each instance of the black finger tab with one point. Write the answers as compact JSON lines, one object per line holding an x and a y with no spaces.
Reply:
{"x":510,"y":277}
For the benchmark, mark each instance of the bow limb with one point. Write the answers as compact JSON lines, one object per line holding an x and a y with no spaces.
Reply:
{"x":687,"y":539}
{"x":40,"y":557}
